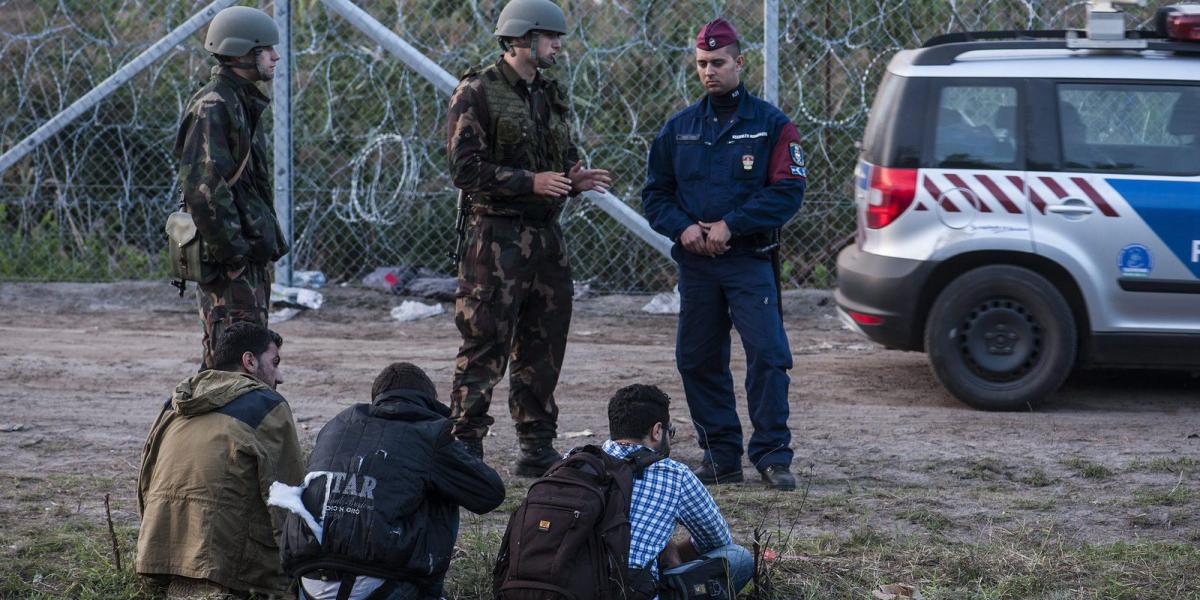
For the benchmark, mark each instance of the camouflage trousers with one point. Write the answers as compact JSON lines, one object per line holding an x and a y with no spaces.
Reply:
{"x":244,"y":297}
{"x":513,"y":305}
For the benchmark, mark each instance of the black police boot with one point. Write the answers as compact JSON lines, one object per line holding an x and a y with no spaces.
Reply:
{"x":779,"y":477}
{"x":709,"y":474}
{"x":474,"y":446}
{"x":537,"y":455}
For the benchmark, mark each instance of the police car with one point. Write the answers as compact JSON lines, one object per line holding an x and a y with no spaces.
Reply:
{"x":1029,"y":202}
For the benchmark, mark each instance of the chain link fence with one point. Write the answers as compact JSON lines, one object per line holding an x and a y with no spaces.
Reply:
{"x":370,"y":184}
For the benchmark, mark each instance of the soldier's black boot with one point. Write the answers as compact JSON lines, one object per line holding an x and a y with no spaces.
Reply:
{"x":779,"y":477}
{"x":537,"y":455}
{"x":710,"y":474}
{"x":474,"y":446}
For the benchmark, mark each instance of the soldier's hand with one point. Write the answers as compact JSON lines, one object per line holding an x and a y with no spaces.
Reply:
{"x":692,"y":240}
{"x":583,"y":180}
{"x":717,"y":236}
{"x":551,"y":185}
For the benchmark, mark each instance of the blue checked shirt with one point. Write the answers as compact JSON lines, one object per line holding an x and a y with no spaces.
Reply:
{"x":668,"y":493}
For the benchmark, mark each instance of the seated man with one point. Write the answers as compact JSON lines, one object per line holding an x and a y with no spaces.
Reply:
{"x":668,"y":493}
{"x":384,"y":485}
{"x":207,"y":466}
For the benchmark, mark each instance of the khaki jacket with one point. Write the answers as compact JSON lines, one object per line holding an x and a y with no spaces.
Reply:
{"x":207,"y":468}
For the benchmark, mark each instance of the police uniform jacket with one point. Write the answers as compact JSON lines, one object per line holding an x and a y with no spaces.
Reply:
{"x":749,"y":172}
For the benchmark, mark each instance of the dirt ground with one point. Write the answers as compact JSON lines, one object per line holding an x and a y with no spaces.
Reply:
{"x":1113,"y":456}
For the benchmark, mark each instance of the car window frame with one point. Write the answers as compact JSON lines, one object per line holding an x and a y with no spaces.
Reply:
{"x":1052,"y":103}
{"x":934,"y":95}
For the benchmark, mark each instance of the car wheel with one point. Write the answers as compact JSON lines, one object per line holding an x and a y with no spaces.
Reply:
{"x":1001,"y":338}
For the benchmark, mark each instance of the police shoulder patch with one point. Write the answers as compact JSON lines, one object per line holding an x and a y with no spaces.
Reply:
{"x":796,"y":153}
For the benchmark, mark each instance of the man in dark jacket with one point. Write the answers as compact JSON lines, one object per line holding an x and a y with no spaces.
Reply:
{"x":383,"y":489}
{"x":224,"y":175}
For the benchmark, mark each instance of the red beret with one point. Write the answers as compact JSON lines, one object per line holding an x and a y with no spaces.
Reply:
{"x":716,"y":34}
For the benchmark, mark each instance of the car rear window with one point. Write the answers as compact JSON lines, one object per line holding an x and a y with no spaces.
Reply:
{"x":1130,"y":128}
{"x":976,"y":127}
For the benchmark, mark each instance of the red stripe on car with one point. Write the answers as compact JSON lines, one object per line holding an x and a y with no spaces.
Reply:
{"x":1034,"y":198}
{"x":959,"y":183}
{"x":932,"y":188}
{"x":1054,"y":187}
{"x":1099,"y":200}
{"x":999,"y":194}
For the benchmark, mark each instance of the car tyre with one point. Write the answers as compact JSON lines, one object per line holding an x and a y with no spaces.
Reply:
{"x":1001,"y":337}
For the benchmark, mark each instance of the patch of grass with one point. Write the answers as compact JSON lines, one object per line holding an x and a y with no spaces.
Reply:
{"x":1089,"y":469}
{"x":1166,"y":465}
{"x":986,"y":469}
{"x":1176,"y":496}
{"x":1036,"y":504}
{"x":474,"y":557}
{"x":928,"y":518}
{"x":72,"y":559}
{"x":1036,"y":478}
{"x":1020,"y":563}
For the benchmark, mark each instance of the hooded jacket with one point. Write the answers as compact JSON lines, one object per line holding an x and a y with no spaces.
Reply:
{"x":207,"y":467}
{"x":388,"y":502}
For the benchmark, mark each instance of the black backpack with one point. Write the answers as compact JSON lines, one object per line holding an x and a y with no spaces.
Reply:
{"x":569,"y":538}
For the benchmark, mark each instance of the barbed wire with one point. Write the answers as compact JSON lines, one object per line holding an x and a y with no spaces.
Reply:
{"x":370,"y":185}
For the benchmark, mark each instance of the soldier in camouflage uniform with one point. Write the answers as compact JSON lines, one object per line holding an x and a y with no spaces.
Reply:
{"x":237,"y":225}
{"x":510,"y":151}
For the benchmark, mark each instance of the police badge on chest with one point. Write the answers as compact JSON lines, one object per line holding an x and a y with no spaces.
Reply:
{"x":748,"y":162}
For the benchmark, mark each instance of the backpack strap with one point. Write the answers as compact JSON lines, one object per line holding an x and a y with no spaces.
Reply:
{"x":640,"y":459}
{"x":238,"y":175}
{"x":346,"y":586}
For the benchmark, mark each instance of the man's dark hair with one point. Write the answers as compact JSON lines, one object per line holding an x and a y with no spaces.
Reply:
{"x":634,"y":410}
{"x":735,"y":49}
{"x":402,"y":376}
{"x":240,"y":338}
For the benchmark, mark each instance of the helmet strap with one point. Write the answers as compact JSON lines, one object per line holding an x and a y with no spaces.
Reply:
{"x":258,"y":64}
{"x":236,"y":64}
{"x":539,"y":62}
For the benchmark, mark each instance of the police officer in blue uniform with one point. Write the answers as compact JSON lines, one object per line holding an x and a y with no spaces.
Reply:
{"x":724,"y":175}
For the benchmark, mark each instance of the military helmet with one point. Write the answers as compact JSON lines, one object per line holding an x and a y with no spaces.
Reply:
{"x":519,"y":17}
{"x":237,"y":30}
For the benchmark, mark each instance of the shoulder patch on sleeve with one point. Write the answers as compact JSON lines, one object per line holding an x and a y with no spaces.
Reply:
{"x":797,"y":154}
{"x":252,"y":407}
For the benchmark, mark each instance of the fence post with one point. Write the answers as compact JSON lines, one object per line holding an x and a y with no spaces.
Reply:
{"x":281,"y":103}
{"x":771,"y":51}
{"x":108,"y":86}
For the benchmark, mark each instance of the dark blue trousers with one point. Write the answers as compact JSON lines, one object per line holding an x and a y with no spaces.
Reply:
{"x":715,"y":294}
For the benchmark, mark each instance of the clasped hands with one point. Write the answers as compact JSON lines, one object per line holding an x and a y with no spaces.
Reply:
{"x":706,"y":239}
{"x":556,"y":185}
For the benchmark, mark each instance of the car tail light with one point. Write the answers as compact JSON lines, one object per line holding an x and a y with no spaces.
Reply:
{"x":1179,"y":22}
{"x":863,"y":319}
{"x":891,"y":193}
{"x":1184,"y":27}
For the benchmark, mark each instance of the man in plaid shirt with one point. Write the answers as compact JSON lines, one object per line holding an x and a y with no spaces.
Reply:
{"x":667,"y":493}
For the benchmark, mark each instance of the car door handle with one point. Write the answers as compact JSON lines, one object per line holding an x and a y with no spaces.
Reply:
{"x":1071,"y":206}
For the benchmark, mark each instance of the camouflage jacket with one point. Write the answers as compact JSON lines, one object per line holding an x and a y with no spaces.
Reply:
{"x":237,"y":224}
{"x":502,"y":131}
